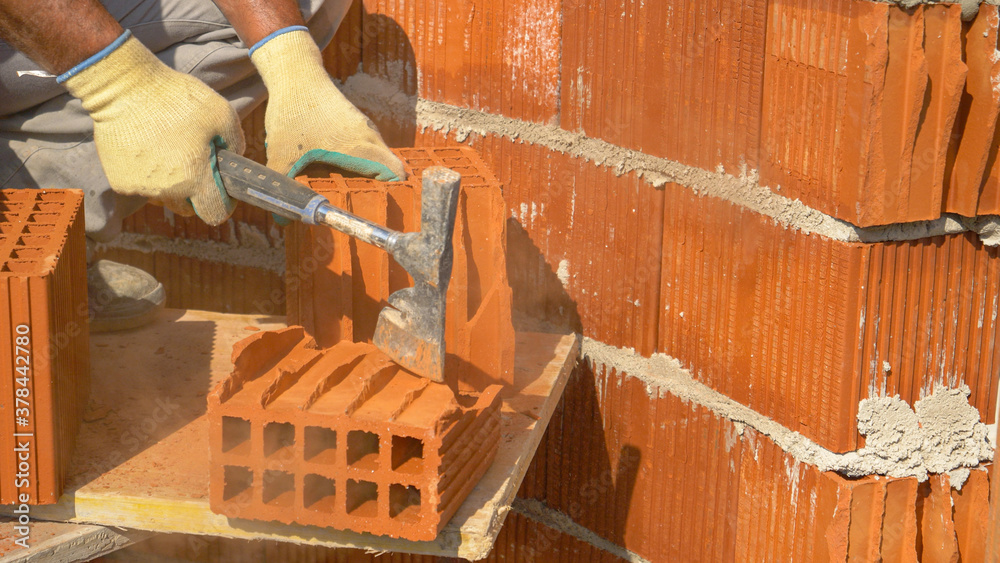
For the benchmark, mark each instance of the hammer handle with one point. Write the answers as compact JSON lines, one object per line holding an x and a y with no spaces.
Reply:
{"x":262,"y":187}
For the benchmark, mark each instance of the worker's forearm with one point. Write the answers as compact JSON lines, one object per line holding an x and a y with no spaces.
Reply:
{"x":254,"y":20}
{"x":57,"y":34}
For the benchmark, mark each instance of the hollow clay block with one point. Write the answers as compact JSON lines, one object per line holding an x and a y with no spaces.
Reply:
{"x":336,"y":286}
{"x":342,"y":437}
{"x":44,"y":340}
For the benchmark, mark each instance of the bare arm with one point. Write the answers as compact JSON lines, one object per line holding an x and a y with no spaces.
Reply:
{"x":57,"y":34}
{"x":254,"y":20}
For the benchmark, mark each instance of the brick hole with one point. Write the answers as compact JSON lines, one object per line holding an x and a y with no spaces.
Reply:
{"x":404,"y":503}
{"x":449,"y":153}
{"x":472,"y":180}
{"x":51,"y":196}
{"x":362,"y":498}
{"x":420,"y":162}
{"x":407,"y":454}
{"x":235,"y":435}
{"x":277,"y":437}
{"x":320,"y":445}
{"x":237,"y":482}
{"x":279,"y":488}
{"x":319,"y":493}
{"x":362,"y":449}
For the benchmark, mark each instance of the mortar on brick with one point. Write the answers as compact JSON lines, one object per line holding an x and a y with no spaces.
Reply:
{"x":742,"y":188}
{"x":896,"y":452}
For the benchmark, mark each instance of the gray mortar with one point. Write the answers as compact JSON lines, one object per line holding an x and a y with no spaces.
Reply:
{"x":896,"y":446}
{"x":381,"y":97}
{"x":251,"y":252}
{"x":969,"y":7}
{"x":557,"y":520}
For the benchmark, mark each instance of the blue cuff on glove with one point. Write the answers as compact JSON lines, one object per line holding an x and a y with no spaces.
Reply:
{"x":281,"y":31}
{"x":89,"y":61}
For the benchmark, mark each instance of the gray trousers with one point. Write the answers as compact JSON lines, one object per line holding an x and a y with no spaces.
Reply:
{"x":46,"y":137}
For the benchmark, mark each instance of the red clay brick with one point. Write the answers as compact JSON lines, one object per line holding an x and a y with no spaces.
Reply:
{"x":43,"y":284}
{"x":490,"y":56}
{"x":899,"y":527}
{"x":872,"y":114}
{"x":583,"y":244}
{"x":941,"y":34}
{"x":975,"y":162}
{"x":936,"y":539}
{"x":343,"y":437}
{"x":821,"y":117}
{"x":337,"y":286}
{"x":207,"y":284}
{"x":801,"y":327}
{"x":970,"y":506}
{"x":619,"y":458}
{"x":691,"y":95}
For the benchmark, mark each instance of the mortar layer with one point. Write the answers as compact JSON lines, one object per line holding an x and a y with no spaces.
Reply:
{"x":943,"y":434}
{"x":381,"y":97}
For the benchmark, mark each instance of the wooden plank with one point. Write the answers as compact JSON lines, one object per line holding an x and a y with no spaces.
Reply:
{"x":58,"y":542}
{"x":142,"y":459}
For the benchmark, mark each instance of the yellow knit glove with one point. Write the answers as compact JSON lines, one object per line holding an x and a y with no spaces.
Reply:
{"x":154,"y":129}
{"x":308,"y":119}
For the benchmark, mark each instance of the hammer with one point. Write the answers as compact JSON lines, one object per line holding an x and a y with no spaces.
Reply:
{"x":411,"y":329}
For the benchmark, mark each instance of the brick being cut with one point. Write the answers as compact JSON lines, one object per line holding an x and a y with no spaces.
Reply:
{"x":343,"y":437}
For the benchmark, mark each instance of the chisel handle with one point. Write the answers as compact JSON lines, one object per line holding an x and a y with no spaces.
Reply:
{"x":262,"y":187}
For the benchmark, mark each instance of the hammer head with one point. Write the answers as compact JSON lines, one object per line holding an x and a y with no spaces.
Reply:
{"x":411,"y":329}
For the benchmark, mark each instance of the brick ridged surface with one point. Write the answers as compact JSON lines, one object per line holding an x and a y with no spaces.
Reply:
{"x":691,"y":95}
{"x":621,"y":453}
{"x":583,"y":244}
{"x":337,"y":286}
{"x":343,"y":437}
{"x":43,"y":286}
{"x":484,"y":55}
{"x":800,"y":327}
{"x":878,"y":115}
{"x":206,"y":284}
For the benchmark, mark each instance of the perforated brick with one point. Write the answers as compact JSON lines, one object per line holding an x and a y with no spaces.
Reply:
{"x":44,"y":340}
{"x":336,"y":286}
{"x":343,"y":437}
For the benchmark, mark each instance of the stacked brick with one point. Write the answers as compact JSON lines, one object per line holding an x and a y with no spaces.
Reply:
{"x":879,"y":115}
{"x":343,"y":437}
{"x":337,"y":286}
{"x":732,"y":494}
{"x":44,"y":344}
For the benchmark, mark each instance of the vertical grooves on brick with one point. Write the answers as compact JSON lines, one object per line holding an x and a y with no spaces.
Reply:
{"x":42,"y":287}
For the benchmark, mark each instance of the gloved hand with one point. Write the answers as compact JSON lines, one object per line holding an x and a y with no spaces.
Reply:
{"x":308,"y":119}
{"x":155,"y":129}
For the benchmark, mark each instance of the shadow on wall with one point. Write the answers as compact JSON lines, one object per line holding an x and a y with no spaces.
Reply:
{"x":386,"y":87}
{"x":579,"y":470}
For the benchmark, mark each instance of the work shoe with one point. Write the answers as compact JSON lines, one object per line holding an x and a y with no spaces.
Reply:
{"x":121,"y":296}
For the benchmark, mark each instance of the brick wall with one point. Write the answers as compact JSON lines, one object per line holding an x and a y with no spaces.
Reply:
{"x":863,"y":111}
